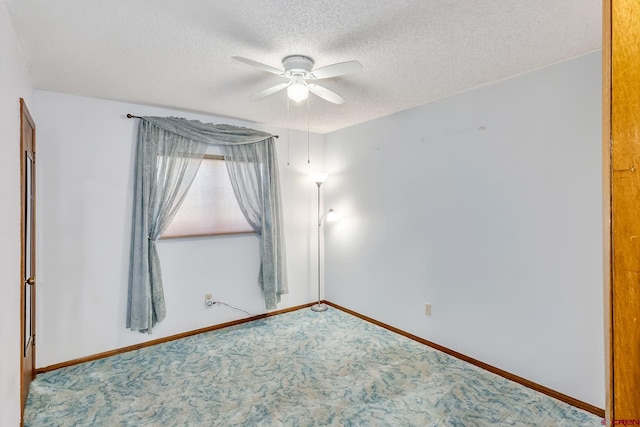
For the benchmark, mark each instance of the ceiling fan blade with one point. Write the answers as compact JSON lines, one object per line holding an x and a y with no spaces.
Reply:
{"x":336,"y":70}
{"x":257,"y":65}
{"x":268,"y":92}
{"x":326,"y":94}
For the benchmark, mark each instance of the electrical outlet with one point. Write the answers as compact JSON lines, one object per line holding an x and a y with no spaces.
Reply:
{"x":427,"y":309}
{"x":208,"y":301}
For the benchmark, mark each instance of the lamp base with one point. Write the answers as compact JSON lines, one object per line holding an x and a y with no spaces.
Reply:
{"x":319,"y":307}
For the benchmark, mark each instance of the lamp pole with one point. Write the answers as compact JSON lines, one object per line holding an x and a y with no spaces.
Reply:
{"x":319,"y":306}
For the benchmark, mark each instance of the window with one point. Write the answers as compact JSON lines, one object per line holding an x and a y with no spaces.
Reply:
{"x":210,"y":207}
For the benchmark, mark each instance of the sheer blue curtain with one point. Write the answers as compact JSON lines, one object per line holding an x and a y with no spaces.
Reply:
{"x":166,"y":165}
{"x":253,"y":170}
{"x":169,"y":152}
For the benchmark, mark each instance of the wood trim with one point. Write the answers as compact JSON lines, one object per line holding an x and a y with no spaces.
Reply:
{"x":23,"y":394}
{"x":25,"y":110}
{"x":198,"y":236}
{"x":537,"y":387}
{"x":27,"y":147}
{"x":606,"y":204}
{"x":625,"y":209}
{"x":167,"y":339}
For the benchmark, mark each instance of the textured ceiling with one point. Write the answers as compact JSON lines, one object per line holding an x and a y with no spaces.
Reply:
{"x":177,"y":53}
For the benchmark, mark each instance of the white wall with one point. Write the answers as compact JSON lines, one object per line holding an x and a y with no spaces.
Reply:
{"x":14,"y":84}
{"x":488,"y":206}
{"x":86,"y":149}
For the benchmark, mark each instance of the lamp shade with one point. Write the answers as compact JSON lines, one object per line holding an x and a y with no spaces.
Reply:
{"x":319,"y":177}
{"x":332,"y":216}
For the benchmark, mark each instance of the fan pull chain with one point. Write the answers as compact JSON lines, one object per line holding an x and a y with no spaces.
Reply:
{"x":288,"y":135}
{"x":308,"y":144}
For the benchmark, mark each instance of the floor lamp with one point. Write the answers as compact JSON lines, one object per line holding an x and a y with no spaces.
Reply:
{"x":319,"y":179}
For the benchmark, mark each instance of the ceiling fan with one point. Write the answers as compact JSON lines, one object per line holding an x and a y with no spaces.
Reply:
{"x":299,"y":70}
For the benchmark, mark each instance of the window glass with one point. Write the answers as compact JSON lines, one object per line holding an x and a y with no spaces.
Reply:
{"x":210,"y":206}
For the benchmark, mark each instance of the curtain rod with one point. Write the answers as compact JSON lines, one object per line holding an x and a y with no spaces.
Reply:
{"x":131,"y":116}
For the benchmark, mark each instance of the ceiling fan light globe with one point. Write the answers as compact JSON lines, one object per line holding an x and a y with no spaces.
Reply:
{"x":297,"y":92}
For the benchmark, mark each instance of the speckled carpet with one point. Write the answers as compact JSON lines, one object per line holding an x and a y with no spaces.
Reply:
{"x":296,"y":369}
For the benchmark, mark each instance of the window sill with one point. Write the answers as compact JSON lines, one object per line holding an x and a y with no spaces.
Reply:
{"x":197,"y":236}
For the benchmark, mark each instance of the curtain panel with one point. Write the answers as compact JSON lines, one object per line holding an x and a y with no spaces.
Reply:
{"x":253,"y":170}
{"x":169,"y":153}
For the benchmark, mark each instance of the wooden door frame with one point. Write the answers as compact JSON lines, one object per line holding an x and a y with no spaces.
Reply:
{"x":24,"y":113}
{"x":621,"y":182}
{"x":606,"y":198}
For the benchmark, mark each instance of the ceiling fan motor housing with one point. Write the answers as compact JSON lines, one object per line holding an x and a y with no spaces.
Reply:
{"x":297,"y":65}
